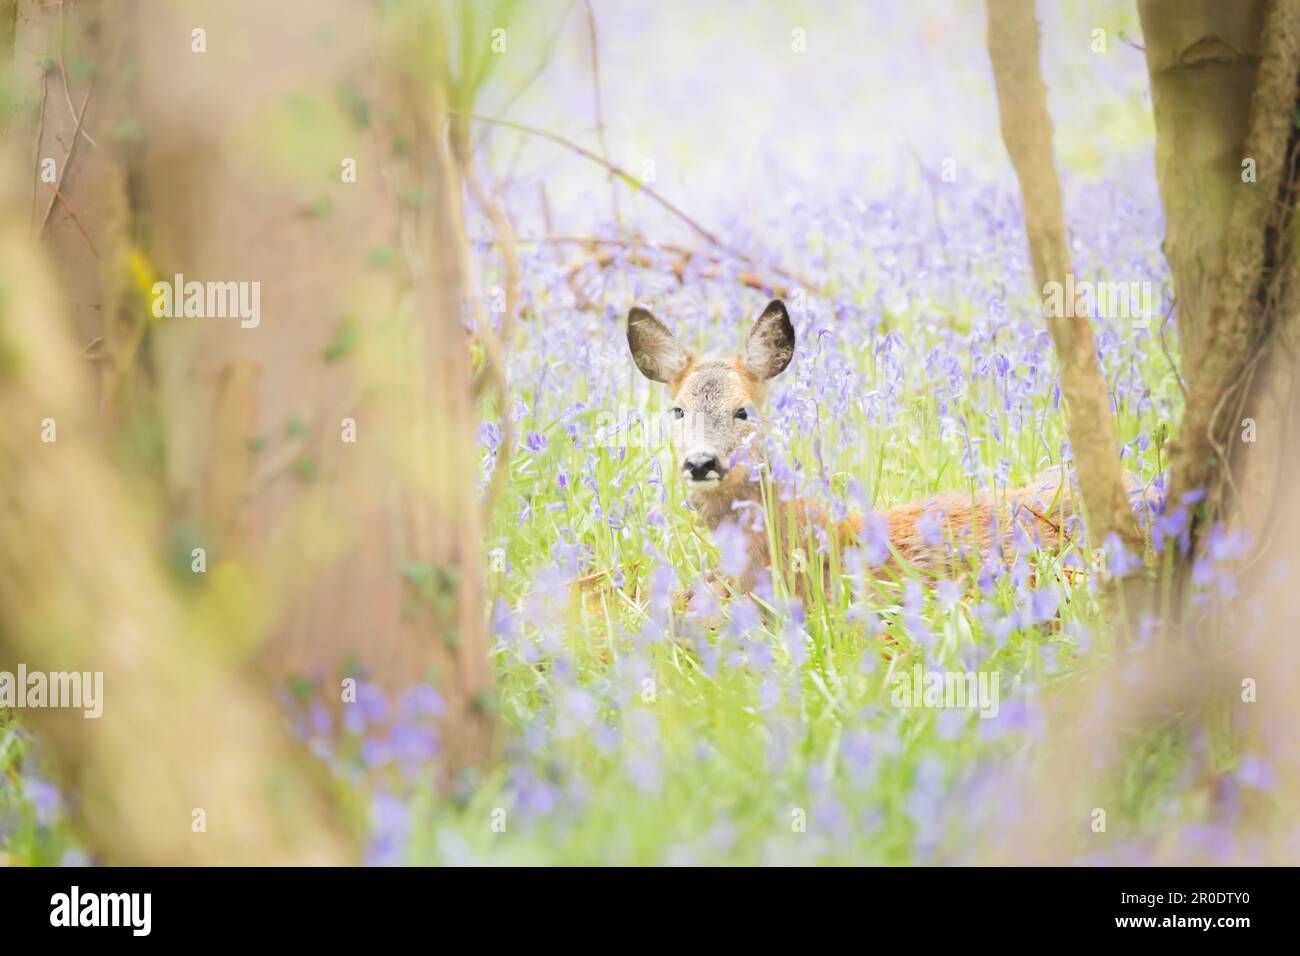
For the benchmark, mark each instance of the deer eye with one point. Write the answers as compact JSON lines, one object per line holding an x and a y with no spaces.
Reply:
{"x":742,"y":414}
{"x":678,"y":413}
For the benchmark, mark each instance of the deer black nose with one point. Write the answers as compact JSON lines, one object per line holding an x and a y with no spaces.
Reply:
{"x":702,"y":467}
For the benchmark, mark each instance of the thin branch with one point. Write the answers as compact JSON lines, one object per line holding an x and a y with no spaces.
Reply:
{"x":613,"y":168}
{"x":58,"y":194}
{"x":528,"y":80}
{"x":545,"y":203}
{"x":40,"y":134}
{"x":67,"y":90}
{"x":1164,"y":347}
{"x":599,"y":109}
{"x":1124,"y":38}
{"x":602,"y":260}
{"x":934,"y":201}
{"x":506,"y":181}
{"x":629,"y":242}
{"x":495,"y":343}
{"x":642,"y":187}
{"x":67,"y":159}
{"x":712,"y":270}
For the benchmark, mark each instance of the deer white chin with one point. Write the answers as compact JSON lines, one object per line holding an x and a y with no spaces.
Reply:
{"x":707,"y":484}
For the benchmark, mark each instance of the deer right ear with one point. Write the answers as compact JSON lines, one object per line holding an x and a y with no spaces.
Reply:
{"x":654,"y":349}
{"x":770,"y":345}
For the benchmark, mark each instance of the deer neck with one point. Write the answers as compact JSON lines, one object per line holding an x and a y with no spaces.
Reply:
{"x":734,"y":504}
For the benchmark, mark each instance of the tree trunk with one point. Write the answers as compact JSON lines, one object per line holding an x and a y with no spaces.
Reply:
{"x":1027,"y":133}
{"x":8,"y":24}
{"x":327,"y":557}
{"x":369,"y":551}
{"x":1227,"y":178}
{"x":184,"y":728}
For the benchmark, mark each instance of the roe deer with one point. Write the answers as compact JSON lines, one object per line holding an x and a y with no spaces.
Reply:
{"x":715,"y":406}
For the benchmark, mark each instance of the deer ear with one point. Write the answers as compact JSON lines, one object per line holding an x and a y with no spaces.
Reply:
{"x":654,"y":349}
{"x":770,"y":345}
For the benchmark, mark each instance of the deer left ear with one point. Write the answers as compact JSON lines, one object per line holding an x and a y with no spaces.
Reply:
{"x":770,"y":345}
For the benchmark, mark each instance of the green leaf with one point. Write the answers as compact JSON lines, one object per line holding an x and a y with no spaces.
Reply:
{"x":355,"y":105}
{"x":347,"y":338}
{"x":300,"y":687}
{"x":381,"y":257}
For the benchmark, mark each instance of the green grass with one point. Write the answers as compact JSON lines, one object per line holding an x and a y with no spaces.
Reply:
{"x":689,"y":746}
{"x":741,"y":749}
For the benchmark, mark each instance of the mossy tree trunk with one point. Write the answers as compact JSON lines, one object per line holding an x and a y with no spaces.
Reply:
{"x":1224,"y":92}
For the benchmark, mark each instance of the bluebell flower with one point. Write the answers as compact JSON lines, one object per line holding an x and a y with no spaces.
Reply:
{"x":1120,"y":561}
{"x":949,"y":593}
{"x":1255,"y":773}
{"x":44,"y":798}
{"x":930,"y":526}
{"x":733,"y":543}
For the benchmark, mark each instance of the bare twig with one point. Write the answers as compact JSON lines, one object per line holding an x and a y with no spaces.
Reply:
{"x":1124,"y":38}
{"x":603,"y":259}
{"x":616,"y":170}
{"x":1164,"y":347}
{"x":494,"y":343}
{"x":545,"y":204}
{"x":642,"y":187}
{"x":67,"y":159}
{"x":531,"y":77}
{"x":58,"y":194}
{"x":505,"y":181}
{"x":40,"y":133}
{"x":599,"y":109}
{"x":63,"y":70}
{"x":934,"y":201}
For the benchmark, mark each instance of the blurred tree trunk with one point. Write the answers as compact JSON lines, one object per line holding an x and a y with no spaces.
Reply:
{"x":1224,"y":93}
{"x":1027,"y":133}
{"x":447,"y":522}
{"x":325,"y":460}
{"x":366,"y":553}
{"x":183,"y":728}
{"x":8,"y":23}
